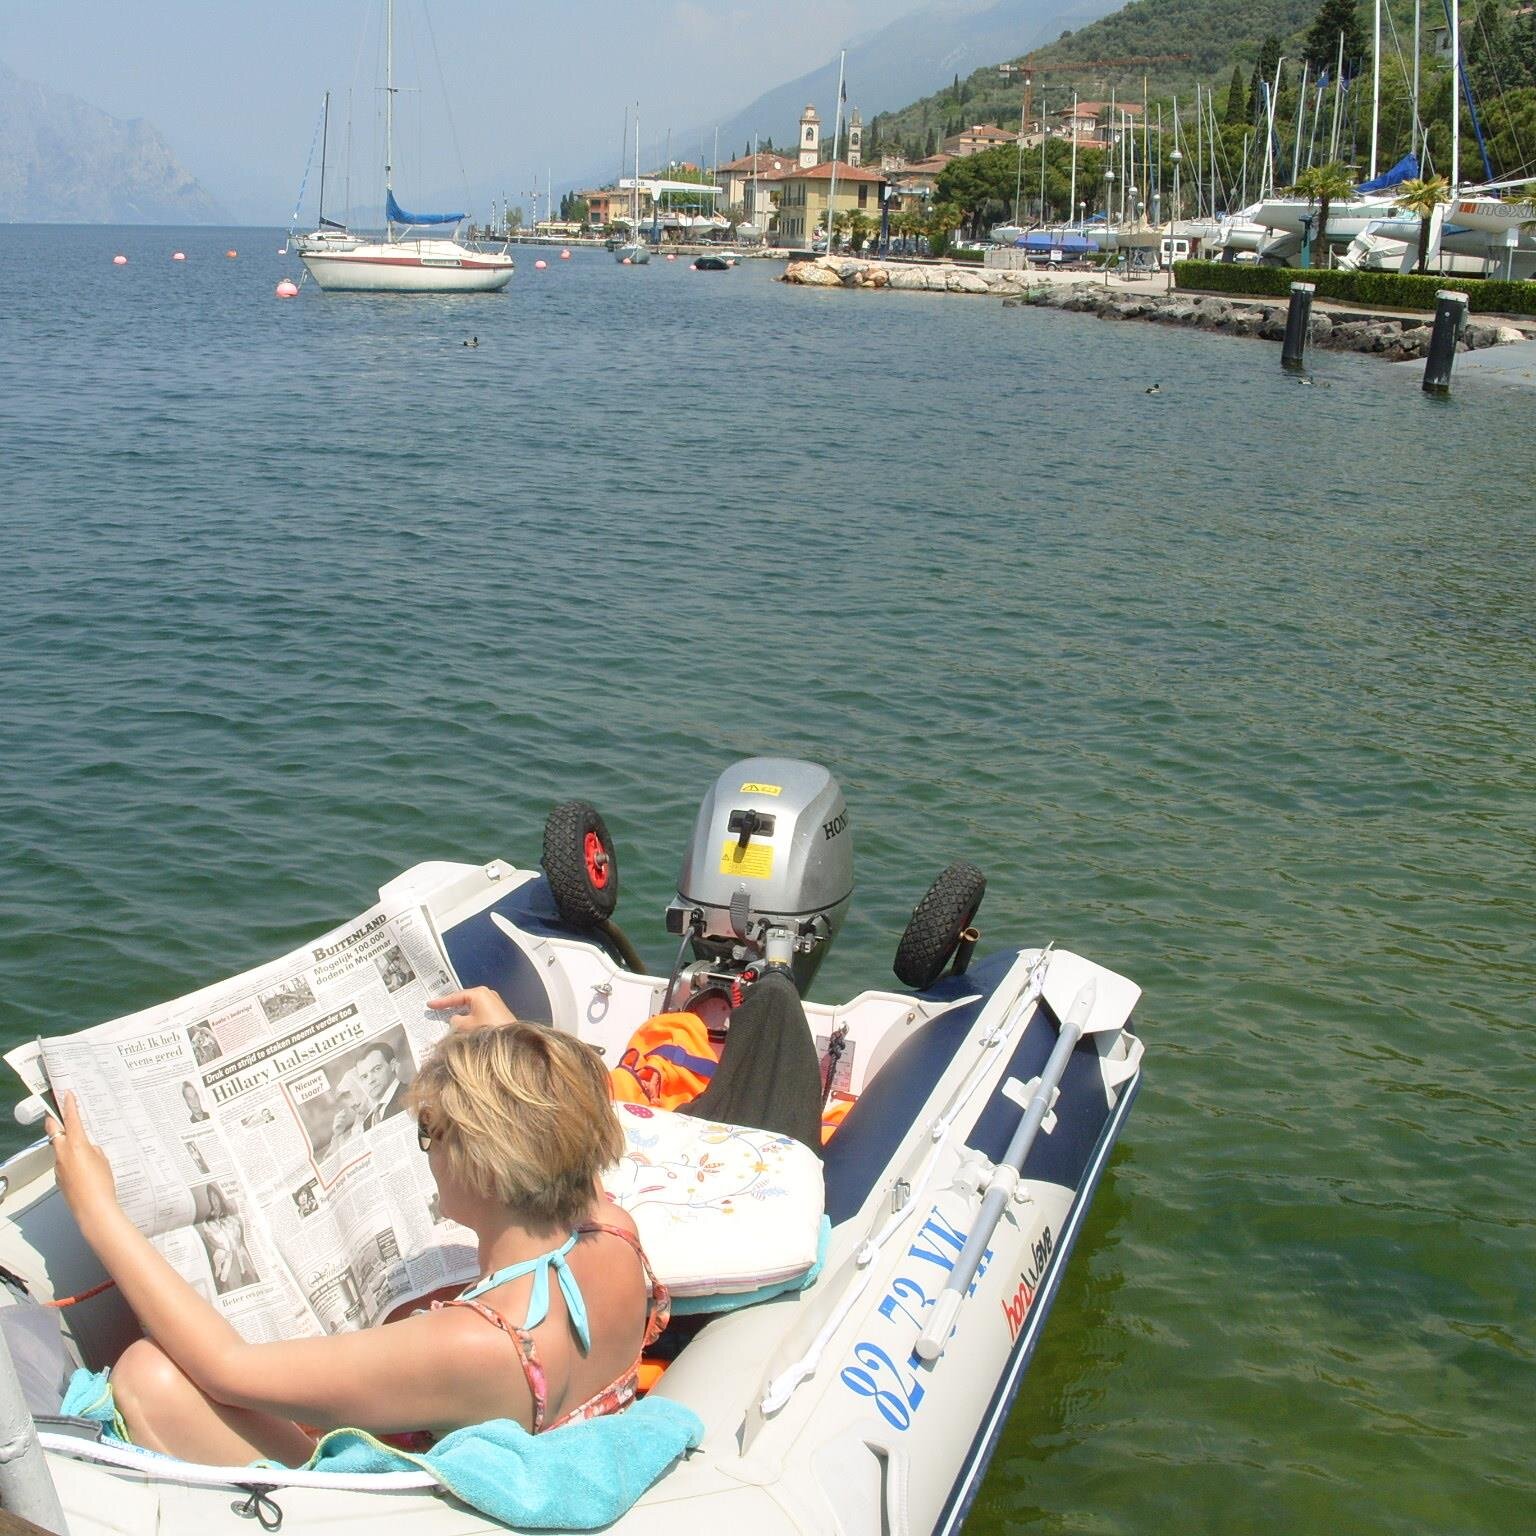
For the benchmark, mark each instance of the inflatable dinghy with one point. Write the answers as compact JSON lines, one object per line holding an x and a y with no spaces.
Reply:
{"x":852,"y":1346}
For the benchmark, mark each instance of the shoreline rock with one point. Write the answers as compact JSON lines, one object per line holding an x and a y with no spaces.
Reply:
{"x":1394,"y":338}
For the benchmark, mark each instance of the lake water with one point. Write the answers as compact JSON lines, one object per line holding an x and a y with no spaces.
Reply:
{"x":1229,"y":687}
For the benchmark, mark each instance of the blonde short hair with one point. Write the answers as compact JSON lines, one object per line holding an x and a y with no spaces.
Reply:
{"x":525,"y":1116}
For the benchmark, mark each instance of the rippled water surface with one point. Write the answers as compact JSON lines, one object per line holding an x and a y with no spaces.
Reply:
{"x":1229,"y":687}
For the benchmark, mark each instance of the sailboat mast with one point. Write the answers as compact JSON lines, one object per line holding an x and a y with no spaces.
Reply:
{"x":325,"y":133}
{"x":389,"y":95}
{"x":1301,"y":118}
{"x":1455,"y":99}
{"x":837,"y":130}
{"x":1375,"y":86}
{"x":1418,"y":9}
{"x":1072,"y":195}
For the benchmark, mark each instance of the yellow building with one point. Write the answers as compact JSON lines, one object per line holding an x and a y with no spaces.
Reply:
{"x":804,"y":194}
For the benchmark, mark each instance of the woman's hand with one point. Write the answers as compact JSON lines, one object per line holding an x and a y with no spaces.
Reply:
{"x":474,"y":1008}
{"x":81,"y":1169}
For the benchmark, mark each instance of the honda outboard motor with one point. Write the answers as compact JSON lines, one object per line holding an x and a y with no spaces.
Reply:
{"x":767,"y":880}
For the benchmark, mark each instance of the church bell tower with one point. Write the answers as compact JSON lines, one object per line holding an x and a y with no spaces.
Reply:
{"x":855,"y":138}
{"x":810,"y":138}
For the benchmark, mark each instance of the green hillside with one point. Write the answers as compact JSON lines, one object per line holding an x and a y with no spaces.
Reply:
{"x":1217,"y":43}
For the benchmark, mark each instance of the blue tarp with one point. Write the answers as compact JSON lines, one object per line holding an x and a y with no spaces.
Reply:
{"x":397,"y":215}
{"x":1070,"y":245}
{"x":1405,"y":170}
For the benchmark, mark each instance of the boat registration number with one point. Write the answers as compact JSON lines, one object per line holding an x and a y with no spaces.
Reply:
{"x":895,"y":1384}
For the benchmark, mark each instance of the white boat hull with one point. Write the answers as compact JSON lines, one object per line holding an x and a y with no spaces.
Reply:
{"x":869,"y":1437}
{"x":408,"y":266}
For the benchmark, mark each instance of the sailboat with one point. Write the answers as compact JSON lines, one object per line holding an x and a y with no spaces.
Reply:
{"x":634,"y":252}
{"x":328,"y":234}
{"x":343,"y":263}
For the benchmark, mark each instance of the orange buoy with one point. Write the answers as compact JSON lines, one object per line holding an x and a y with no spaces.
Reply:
{"x":119,"y":261}
{"x":287,"y":289}
{"x":539,"y":266}
{"x":231,"y":254}
{"x":565,"y":255}
{"x":178,"y":255}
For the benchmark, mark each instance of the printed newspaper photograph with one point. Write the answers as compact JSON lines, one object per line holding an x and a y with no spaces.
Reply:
{"x":258,"y":1130}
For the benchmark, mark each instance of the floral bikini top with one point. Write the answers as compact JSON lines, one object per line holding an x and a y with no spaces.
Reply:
{"x":618,"y":1394}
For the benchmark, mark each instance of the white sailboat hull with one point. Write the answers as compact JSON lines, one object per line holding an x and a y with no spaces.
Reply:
{"x":1494,"y":216}
{"x":409,"y":266}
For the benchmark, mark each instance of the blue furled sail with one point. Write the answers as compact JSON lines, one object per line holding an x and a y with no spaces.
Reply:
{"x":397,"y":215}
{"x":1405,"y":170}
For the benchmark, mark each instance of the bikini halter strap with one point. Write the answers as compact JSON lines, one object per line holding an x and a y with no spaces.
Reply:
{"x":538,"y":1302}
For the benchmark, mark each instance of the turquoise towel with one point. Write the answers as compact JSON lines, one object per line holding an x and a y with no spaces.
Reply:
{"x":578,"y":1478}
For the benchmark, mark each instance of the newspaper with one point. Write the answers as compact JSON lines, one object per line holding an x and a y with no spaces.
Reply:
{"x":258,"y":1134}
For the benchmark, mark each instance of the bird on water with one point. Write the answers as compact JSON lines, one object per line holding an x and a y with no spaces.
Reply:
{"x":1153,"y":389}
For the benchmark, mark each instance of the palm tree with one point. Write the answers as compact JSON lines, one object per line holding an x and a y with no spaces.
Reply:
{"x":1321,"y":184}
{"x":1422,"y":196}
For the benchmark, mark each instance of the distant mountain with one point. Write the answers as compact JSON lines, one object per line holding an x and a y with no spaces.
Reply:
{"x":912,"y":56}
{"x":65,"y":161}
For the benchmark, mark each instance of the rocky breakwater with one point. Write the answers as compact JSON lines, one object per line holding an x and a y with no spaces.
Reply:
{"x":907,"y":277}
{"x":1394,"y":338}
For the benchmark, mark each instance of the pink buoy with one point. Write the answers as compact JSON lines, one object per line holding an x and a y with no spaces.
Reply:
{"x":231,"y":254}
{"x":626,"y":262}
{"x":119,"y":261}
{"x":565,"y":255}
{"x":178,"y":255}
{"x":671,"y":256}
{"x":539,"y":266}
{"x":287,"y":289}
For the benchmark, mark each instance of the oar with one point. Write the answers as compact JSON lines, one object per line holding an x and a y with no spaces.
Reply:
{"x":1005,"y":1178}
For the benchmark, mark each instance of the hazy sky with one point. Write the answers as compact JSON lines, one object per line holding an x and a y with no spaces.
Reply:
{"x":235,"y":87}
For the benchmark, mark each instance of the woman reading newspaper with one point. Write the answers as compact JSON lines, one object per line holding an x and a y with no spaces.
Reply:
{"x":516,"y":1123}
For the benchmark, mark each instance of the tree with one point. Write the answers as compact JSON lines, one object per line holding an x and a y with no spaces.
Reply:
{"x":1263,"y":76}
{"x":1321,"y":49}
{"x":1322,"y":184}
{"x":860,"y":228}
{"x":932,"y":146}
{"x":981,"y":186}
{"x":1423,"y":196}
{"x":1236,"y":114}
{"x":940,"y":225}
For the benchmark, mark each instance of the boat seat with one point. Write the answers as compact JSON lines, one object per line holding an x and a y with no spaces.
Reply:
{"x":723,"y":1210}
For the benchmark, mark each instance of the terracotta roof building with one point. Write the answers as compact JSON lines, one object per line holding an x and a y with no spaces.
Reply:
{"x":805,"y":192}
{"x":971,"y":141}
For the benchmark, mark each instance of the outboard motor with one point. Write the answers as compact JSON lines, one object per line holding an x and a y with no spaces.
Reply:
{"x":767,"y":880}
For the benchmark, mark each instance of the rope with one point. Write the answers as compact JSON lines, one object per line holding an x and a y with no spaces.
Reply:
{"x":304,"y":182}
{"x":782,"y":1387}
{"x":71,"y":1301}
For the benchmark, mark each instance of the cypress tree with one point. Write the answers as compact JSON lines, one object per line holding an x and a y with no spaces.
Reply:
{"x":1237,"y":100}
{"x":1263,"y":74}
{"x":1321,"y":49}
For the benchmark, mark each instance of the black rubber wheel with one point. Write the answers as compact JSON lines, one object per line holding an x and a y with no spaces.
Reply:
{"x":933,"y":932}
{"x":580,"y":864}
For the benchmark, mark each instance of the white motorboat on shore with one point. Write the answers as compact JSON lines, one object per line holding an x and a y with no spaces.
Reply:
{"x":986,"y":1097}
